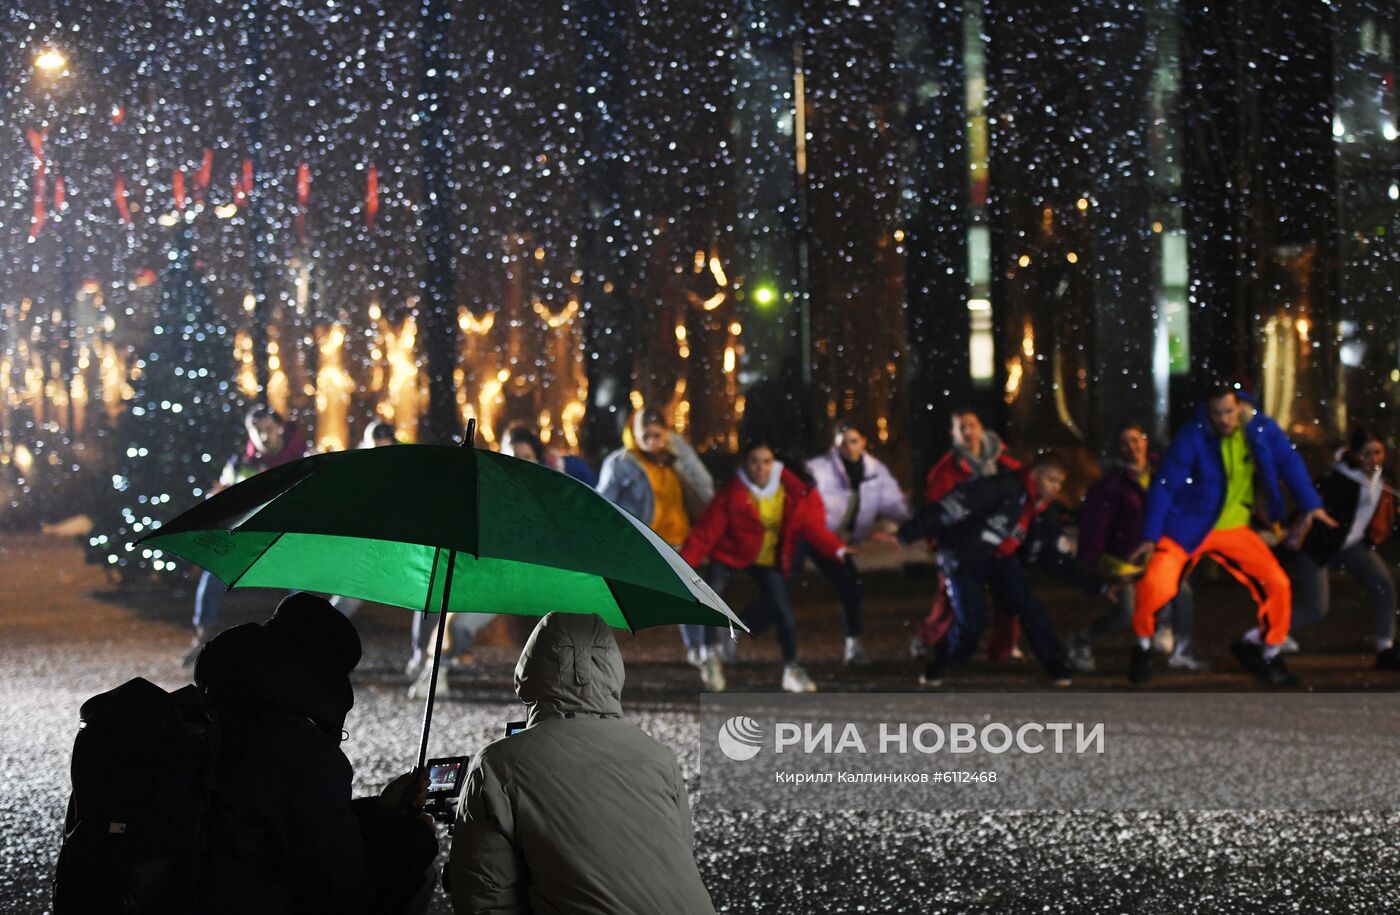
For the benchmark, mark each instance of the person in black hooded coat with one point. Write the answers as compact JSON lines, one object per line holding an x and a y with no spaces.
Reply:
{"x":283,"y":834}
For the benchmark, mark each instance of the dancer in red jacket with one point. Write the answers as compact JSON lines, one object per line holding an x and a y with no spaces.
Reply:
{"x":977,"y":452}
{"x":753,"y":524}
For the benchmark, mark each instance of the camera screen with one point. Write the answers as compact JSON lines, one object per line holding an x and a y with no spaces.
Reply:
{"x":514,"y":727}
{"x":444,"y":775}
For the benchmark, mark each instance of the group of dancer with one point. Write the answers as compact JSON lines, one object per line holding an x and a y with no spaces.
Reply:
{"x":1142,"y":529}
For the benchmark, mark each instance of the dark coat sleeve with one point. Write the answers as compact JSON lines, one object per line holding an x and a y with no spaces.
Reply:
{"x":971,"y":499}
{"x":1042,"y":548}
{"x":1094,"y":519}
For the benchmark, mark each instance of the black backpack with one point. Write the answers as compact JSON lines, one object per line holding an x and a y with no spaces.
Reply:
{"x":143,"y":772}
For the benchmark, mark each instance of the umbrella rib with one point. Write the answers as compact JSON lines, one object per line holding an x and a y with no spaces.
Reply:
{"x":253,"y":563}
{"x":620,"y":609}
{"x":250,"y":515}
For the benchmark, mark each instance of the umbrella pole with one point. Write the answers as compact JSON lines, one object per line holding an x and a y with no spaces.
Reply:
{"x":468,"y":441}
{"x":437,"y":658}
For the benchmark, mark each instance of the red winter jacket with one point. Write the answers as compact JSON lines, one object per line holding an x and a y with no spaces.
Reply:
{"x":952,"y":470}
{"x":730,"y":531}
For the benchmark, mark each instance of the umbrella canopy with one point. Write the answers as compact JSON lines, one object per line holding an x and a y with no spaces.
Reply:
{"x":382,"y":524}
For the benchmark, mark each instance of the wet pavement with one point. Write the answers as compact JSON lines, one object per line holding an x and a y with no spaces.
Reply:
{"x":66,"y":633}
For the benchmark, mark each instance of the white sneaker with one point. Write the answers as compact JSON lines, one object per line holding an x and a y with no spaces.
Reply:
{"x":854,"y":655}
{"x":419,"y":689}
{"x":414,"y":667}
{"x":1290,"y":646}
{"x":712,"y":673}
{"x":1183,"y":658}
{"x":694,"y":657}
{"x":795,"y":680}
{"x":1163,"y":641}
{"x":1016,"y":653}
{"x":917,"y":648}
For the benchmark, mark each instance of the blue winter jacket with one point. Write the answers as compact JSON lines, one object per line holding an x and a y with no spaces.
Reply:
{"x":1188,"y":493}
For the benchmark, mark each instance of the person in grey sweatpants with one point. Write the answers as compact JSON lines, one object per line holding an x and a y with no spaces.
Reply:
{"x":1354,"y":492}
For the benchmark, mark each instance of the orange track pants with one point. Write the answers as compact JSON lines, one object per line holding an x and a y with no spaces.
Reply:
{"x":1243,"y":554}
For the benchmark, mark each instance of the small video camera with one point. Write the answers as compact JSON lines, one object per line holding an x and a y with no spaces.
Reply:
{"x":446,"y":775}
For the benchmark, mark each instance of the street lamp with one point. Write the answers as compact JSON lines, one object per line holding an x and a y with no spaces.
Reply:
{"x":50,"y":61}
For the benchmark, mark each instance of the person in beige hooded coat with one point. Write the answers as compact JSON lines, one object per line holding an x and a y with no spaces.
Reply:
{"x":581,"y":812}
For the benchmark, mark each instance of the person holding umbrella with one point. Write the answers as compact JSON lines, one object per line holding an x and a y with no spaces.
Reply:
{"x":581,"y":811}
{"x":753,"y":525}
{"x":282,"y":833}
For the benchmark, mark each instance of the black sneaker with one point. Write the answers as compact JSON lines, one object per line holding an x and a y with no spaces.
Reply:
{"x":1274,"y":671}
{"x":1251,"y":657}
{"x":1060,"y":674}
{"x":1388,"y":659}
{"x":1140,"y":665}
{"x":933,"y":674}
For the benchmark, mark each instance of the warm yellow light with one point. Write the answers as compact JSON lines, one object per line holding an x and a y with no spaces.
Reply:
{"x":1072,"y":257}
{"x":1303,"y":325}
{"x":539,"y":253}
{"x":736,"y":328}
{"x":899,"y":235}
{"x":680,"y":331}
{"x":1157,"y":228}
{"x":226,"y":211}
{"x":717,"y":271}
{"x":1082,"y":203}
{"x":471,"y":324}
{"x":1024,"y":260}
{"x":51,"y":61}
{"x":713,"y":301}
{"x":503,"y":376}
{"x":555,"y":320}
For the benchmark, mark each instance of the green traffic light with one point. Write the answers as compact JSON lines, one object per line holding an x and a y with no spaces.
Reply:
{"x":765,"y":295}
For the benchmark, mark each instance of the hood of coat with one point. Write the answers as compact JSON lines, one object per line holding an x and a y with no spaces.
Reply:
{"x":767,"y":490}
{"x":570,"y":666}
{"x":256,"y":669}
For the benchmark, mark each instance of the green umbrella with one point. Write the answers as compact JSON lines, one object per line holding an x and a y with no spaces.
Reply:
{"x":442,"y":529}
